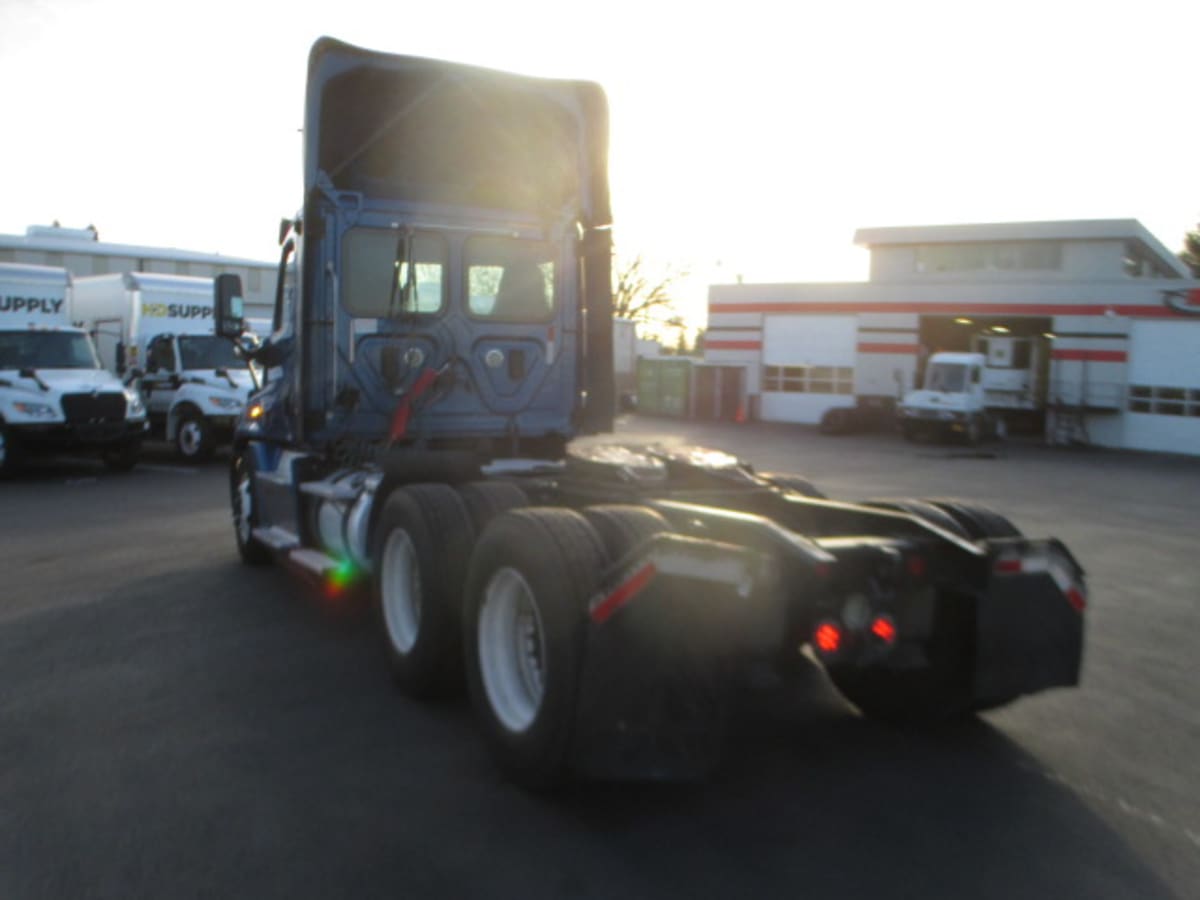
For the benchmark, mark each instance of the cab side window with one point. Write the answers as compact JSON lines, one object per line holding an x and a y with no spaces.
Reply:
{"x":160,"y":355}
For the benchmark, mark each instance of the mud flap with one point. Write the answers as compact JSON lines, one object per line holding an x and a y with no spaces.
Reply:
{"x":663,"y":635}
{"x":1029,"y":622}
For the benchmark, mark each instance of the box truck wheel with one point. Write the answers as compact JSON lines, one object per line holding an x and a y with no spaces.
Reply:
{"x":123,"y":457}
{"x":421,"y":540}
{"x":530,"y":578}
{"x":193,"y":436}
{"x":10,"y":453}
{"x":241,"y":496}
{"x":973,"y":433}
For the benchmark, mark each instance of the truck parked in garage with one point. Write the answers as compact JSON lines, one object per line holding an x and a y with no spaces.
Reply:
{"x":971,"y":395}
{"x":423,"y":431}
{"x":54,"y":394}
{"x":157,"y":330}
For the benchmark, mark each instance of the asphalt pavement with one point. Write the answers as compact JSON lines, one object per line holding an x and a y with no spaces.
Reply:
{"x":176,"y":724}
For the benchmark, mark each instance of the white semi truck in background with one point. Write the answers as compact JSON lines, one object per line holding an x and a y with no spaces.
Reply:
{"x":54,"y":394}
{"x":157,"y":331}
{"x":971,"y":395}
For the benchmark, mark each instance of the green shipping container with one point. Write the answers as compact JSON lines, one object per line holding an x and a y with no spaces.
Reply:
{"x":664,"y":386}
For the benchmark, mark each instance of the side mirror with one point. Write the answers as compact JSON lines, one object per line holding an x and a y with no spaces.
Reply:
{"x":227,"y":305}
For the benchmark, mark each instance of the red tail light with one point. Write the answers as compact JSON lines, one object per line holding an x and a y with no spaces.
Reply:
{"x":828,"y":638}
{"x":884,"y":629}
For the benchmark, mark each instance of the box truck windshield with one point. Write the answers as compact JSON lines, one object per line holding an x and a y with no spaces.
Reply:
{"x":46,"y":350}
{"x":208,"y":351}
{"x":948,"y":377}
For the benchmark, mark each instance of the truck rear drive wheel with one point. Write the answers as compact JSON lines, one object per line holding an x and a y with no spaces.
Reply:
{"x":421,"y":540}
{"x":622,"y":527}
{"x":193,"y":437}
{"x":977,"y":521}
{"x":241,"y":502}
{"x":487,"y":499}
{"x":797,"y":483}
{"x":528,"y":585}
{"x":923,"y":509}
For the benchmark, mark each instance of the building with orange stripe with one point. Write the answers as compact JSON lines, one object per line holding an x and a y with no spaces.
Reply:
{"x":1118,"y":358}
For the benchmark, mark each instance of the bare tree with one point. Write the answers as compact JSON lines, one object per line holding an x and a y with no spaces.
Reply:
{"x":643,"y":296}
{"x":1191,"y":252}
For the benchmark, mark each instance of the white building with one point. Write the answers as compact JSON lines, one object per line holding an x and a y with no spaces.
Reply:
{"x":80,"y":251}
{"x":1121,"y":362}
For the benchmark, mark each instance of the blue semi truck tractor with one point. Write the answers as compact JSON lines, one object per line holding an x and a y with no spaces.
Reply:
{"x":439,"y":379}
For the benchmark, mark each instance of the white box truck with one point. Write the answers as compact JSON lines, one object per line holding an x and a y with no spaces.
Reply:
{"x":972,"y":394}
{"x":55,"y":395}
{"x":157,"y":331}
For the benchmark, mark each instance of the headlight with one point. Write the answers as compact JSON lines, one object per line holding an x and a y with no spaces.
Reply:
{"x":133,"y":404}
{"x":230,"y":403}
{"x":36,"y":410}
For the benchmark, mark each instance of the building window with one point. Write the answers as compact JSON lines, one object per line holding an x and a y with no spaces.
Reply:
{"x":1164,"y":401}
{"x":1138,"y":263}
{"x":99,"y":265}
{"x":1001,"y":256}
{"x":255,"y":280}
{"x":182,"y":268}
{"x":809,"y":379}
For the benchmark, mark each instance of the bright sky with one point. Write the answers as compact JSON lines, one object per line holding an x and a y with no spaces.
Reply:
{"x":748,"y":138}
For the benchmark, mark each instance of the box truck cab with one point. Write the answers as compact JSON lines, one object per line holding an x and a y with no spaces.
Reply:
{"x":951,"y":402}
{"x":54,"y":394}
{"x":971,"y":394}
{"x":157,"y":330}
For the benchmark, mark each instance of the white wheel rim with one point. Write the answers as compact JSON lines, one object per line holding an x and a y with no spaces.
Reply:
{"x":512,"y":650}
{"x":189,"y":438}
{"x":400,"y":590}
{"x":242,"y":515}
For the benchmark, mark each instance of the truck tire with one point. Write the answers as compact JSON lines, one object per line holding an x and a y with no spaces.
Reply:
{"x":245,"y":519}
{"x":123,"y":457}
{"x":531,"y":575}
{"x":977,"y":521}
{"x":837,"y":421}
{"x":922,"y":509}
{"x":193,"y":437}
{"x":487,"y":499}
{"x":797,"y":483}
{"x":622,"y":527}
{"x":10,"y":453}
{"x":926,"y":696}
{"x":973,"y":433}
{"x":421,"y":539}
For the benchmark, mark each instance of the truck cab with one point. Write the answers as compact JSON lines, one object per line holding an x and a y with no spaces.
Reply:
{"x":443,"y":330}
{"x":951,"y":402}
{"x":54,"y":394}
{"x":157,"y":331}
{"x":195,"y":386}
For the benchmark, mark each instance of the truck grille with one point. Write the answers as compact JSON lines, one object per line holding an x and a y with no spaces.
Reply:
{"x":93,"y":409}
